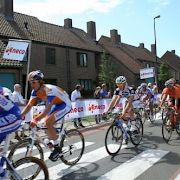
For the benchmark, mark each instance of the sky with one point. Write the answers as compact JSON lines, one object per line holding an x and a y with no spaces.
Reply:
{"x":134,"y":19}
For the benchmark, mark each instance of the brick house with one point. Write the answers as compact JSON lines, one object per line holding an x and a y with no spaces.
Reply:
{"x":127,"y":58}
{"x":173,"y":62}
{"x":66,"y":55}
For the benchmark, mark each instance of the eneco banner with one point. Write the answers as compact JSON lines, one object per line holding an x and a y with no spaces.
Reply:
{"x":83,"y":108}
{"x":15,"y":50}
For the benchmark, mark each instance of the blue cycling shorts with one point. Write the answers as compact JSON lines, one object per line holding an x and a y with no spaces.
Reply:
{"x":10,"y":121}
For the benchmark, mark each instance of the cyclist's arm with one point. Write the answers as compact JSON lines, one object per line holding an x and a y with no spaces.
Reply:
{"x":164,"y":97}
{"x":128,"y":105}
{"x":45,"y":112}
{"x":28,"y":107}
{"x":114,"y":101}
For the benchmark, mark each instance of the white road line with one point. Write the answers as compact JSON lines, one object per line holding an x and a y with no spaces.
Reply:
{"x":135,"y":166}
{"x":56,"y":172}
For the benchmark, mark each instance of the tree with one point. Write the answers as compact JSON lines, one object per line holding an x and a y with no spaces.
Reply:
{"x":108,"y":72}
{"x":164,"y":73}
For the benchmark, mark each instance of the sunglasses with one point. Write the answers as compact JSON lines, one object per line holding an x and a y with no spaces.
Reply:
{"x":34,"y":82}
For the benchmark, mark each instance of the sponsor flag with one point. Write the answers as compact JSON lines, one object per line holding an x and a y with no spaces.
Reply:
{"x":15,"y":50}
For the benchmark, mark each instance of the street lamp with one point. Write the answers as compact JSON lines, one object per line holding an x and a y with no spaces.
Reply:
{"x":156,"y":69}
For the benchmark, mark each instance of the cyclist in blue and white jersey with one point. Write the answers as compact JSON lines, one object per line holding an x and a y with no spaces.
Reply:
{"x":126,"y":92}
{"x":146,"y":94}
{"x":10,"y":115}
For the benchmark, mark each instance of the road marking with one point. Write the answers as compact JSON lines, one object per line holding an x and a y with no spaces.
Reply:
{"x":57,"y":171}
{"x":134,"y":167}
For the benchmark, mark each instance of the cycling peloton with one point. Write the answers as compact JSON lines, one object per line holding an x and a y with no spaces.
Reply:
{"x":123,"y":91}
{"x":146,"y":95}
{"x":57,"y":106}
{"x":171,"y":91}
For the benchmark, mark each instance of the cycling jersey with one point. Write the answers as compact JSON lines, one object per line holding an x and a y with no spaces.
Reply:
{"x":10,"y":115}
{"x":126,"y":92}
{"x":172,"y":92}
{"x":53,"y":95}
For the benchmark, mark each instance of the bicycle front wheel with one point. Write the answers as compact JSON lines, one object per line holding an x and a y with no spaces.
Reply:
{"x":22,"y":149}
{"x":166,"y":130}
{"x":26,"y":169}
{"x":113,"y":139}
{"x":72,"y":147}
{"x":137,"y":131}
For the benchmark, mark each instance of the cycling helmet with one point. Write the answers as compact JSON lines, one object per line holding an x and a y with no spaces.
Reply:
{"x":143,"y":85}
{"x":149,"y":84}
{"x":169,"y":82}
{"x":121,"y":79}
{"x":35,"y":75}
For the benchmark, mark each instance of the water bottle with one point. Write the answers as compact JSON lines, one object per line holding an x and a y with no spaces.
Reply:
{"x":48,"y":143}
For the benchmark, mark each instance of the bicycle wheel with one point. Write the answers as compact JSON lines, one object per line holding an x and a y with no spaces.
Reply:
{"x":113,"y":139}
{"x":21,"y":149}
{"x":136,"y":133}
{"x":72,"y":147}
{"x":166,"y":130}
{"x":26,"y":169}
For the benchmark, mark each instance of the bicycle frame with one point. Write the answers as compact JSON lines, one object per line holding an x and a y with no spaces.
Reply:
{"x":3,"y":158}
{"x":35,"y":136}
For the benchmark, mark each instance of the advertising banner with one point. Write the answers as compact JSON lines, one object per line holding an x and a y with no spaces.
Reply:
{"x":15,"y":50}
{"x":147,"y":73}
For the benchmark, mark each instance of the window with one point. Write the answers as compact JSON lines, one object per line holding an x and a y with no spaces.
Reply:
{"x":50,"y":56}
{"x":86,"y":83}
{"x":82,"y":59}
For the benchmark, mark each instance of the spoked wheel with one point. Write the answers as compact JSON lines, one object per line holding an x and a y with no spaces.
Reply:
{"x":137,"y":131}
{"x":113,"y":139}
{"x":72,"y":147}
{"x":143,"y":115}
{"x":21,"y":150}
{"x":26,"y":169}
{"x":166,"y":130}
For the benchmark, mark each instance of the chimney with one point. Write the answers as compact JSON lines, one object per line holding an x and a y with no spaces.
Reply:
{"x":119,"y":38}
{"x":68,"y":23}
{"x":153,"y":51}
{"x":173,"y":51}
{"x":91,"y":29}
{"x":6,"y":9}
{"x":141,"y":45}
{"x":114,"y":36}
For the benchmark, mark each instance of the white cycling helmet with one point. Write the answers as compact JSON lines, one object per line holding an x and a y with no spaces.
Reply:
{"x":121,"y":79}
{"x":169,"y":82}
{"x":35,"y":75}
{"x":143,"y":85}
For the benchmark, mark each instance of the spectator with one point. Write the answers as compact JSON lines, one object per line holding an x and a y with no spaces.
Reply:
{"x":104,"y":93}
{"x":76,"y":95}
{"x":17,"y":96}
{"x":97,"y":95}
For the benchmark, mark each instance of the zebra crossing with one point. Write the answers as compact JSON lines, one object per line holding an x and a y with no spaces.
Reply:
{"x":131,"y":169}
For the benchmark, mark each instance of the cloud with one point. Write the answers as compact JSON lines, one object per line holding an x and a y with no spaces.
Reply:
{"x":158,"y":5}
{"x":45,"y":9}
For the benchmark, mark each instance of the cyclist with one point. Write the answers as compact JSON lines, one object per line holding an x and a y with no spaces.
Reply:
{"x":10,"y":117}
{"x":146,"y":95}
{"x":57,"y":106}
{"x":172,"y":91}
{"x":123,"y":91}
